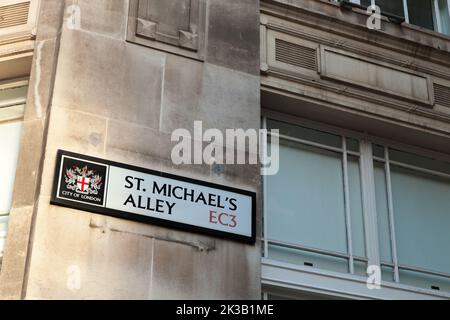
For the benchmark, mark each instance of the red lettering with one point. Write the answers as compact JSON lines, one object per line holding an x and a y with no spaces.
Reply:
{"x":212,"y":216}
{"x":220,"y":219}
{"x":225,"y":219}
{"x":233,"y":220}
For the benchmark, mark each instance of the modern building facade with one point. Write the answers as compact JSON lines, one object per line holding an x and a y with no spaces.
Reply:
{"x":358,"y":209}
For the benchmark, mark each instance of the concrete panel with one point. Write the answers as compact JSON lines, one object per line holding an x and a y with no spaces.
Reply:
{"x":109,"y":78}
{"x":175,"y":26}
{"x":148,"y":148}
{"x":65,"y":133}
{"x":27,"y":177}
{"x":358,"y":71}
{"x":183,"y":81}
{"x":231,"y":273}
{"x":105,"y":17}
{"x":42,"y":72}
{"x":88,"y":259}
{"x":229,"y":99}
{"x":233,"y":35}
{"x":219,"y":97}
{"x":127,"y":138}
{"x":50,"y":17}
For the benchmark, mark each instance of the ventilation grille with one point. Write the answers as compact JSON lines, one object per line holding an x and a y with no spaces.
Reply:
{"x":14,"y":15}
{"x":295,"y":54}
{"x":442,"y":95}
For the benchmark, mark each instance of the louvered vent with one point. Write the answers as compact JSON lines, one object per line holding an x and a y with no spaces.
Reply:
{"x":295,"y":54}
{"x":14,"y":15}
{"x":442,"y":95}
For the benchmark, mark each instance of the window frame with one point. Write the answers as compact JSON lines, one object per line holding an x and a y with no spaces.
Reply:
{"x":193,"y":52}
{"x":344,"y":153}
{"x":395,"y":265}
{"x":435,"y":13}
{"x":372,"y":242}
{"x":4,"y":219}
{"x":14,"y":118}
{"x":12,"y":84}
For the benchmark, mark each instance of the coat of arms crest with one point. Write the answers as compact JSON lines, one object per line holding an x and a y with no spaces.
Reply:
{"x":83,"y":180}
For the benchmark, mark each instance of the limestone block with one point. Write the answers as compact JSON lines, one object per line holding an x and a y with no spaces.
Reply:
{"x":227,"y":271}
{"x":88,"y":259}
{"x":105,"y":17}
{"x":29,"y":160}
{"x":110,"y":78}
{"x":233,"y":35}
{"x":220,"y":97}
{"x":49,"y":19}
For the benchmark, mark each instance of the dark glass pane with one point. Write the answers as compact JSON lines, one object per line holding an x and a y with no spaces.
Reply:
{"x":366,"y":3}
{"x":421,"y":13}
{"x":419,"y":161}
{"x":378,"y":151}
{"x":352,"y":144}
{"x":392,"y":6}
{"x":306,"y":133}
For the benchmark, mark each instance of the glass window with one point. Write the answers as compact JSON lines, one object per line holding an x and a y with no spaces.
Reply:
{"x":3,"y":229}
{"x":419,"y":161}
{"x":305,"y":201}
{"x":429,"y":14}
{"x":313,"y":208}
{"x":9,"y":145}
{"x":378,"y":151}
{"x":420,"y":188}
{"x":12,"y":103}
{"x":444,"y":16}
{"x":382,"y":212}
{"x":394,"y":7}
{"x":366,"y":3}
{"x":352,"y":144}
{"x":304,"y":133}
{"x":356,"y":209}
{"x":421,"y":13}
{"x":306,"y":196}
{"x":421,"y":208}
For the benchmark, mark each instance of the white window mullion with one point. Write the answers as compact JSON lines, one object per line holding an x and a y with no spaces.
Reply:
{"x":369,"y":203}
{"x":3,"y":230}
{"x":347,"y":207}
{"x":448,"y":4}
{"x":391,"y":215}
{"x":405,"y":10}
{"x":437,"y":15}
{"x":265,"y":196}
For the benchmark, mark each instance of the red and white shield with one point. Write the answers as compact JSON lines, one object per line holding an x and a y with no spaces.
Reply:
{"x":83,"y":183}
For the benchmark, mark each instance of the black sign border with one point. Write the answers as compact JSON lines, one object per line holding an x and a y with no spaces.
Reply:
{"x":150,"y":220}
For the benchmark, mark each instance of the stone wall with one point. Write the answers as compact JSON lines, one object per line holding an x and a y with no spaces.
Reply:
{"x":115,"y":99}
